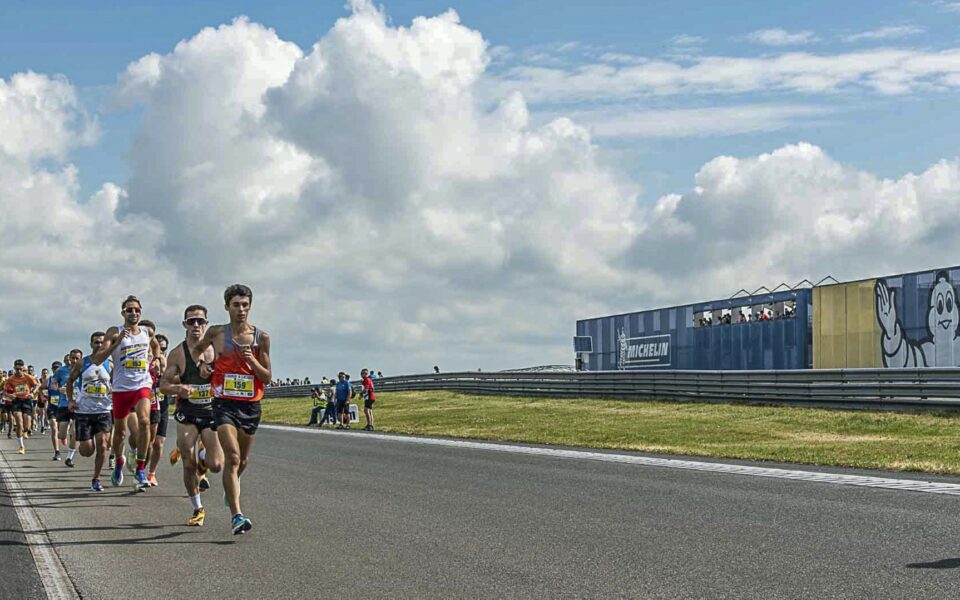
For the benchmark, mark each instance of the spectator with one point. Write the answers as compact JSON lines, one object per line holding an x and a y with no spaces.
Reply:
{"x":343,"y":391}
{"x":379,"y":375}
{"x":436,"y":369}
{"x":306,"y":381}
{"x":319,"y":405}
{"x":368,"y":398}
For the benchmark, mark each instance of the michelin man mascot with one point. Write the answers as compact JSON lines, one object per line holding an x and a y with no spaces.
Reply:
{"x":941,"y":349}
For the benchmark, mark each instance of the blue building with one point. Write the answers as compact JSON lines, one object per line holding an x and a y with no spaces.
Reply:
{"x":764,"y":331}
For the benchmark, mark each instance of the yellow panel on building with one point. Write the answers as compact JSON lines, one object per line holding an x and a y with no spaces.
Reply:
{"x":845,"y":330}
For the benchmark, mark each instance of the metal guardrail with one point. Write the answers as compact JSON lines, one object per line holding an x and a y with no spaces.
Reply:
{"x":932,"y":389}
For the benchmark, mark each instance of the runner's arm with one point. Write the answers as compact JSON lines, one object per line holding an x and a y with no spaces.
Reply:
{"x":170,"y":382}
{"x":74,"y":374}
{"x":111,"y":339}
{"x":261,"y":368}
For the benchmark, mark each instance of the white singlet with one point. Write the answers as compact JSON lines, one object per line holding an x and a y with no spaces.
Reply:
{"x":94,"y":395}
{"x":131,"y":362}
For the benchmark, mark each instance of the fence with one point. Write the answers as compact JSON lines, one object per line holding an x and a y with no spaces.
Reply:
{"x":934,"y":389}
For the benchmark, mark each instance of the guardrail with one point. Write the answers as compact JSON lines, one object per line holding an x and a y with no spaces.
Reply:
{"x":936,"y":389}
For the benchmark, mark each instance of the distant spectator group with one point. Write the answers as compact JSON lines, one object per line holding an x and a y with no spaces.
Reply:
{"x":331,"y":399}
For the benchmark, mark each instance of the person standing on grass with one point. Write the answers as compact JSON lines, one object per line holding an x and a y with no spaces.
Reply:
{"x":343,"y":400}
{"x":319,"y":405}
{"x":368,"y":398}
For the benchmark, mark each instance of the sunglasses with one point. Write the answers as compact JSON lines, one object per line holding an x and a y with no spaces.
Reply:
{"x":193,"y":321}
{"x":132,"y":310}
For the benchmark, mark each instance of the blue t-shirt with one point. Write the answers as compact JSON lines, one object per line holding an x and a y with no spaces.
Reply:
{"x":343,"y":390}
{"x":61,"y":377}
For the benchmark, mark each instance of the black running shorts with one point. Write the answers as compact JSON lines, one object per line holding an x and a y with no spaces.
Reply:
{"x":24,"y":405}
{"x":89,"y":425}
{"x":243,"y":415}
{"x":64,"y":415}
{"x":199,"y":418}
{"x":163,"y":415}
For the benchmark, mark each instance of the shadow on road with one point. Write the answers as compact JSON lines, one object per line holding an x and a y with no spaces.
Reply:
{"x":163,"y":538}
{"x":946,"y":563}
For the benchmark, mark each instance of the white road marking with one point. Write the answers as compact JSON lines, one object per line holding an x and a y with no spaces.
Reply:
{"x":53,"y":574}
{"x":909,"y":485}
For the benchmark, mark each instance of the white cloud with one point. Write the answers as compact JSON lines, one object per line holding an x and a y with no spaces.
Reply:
{"x":623,"y":122}
{"x":781,"y":37}
{"x":795,"y":213}
{"x":885,"y":33}
{"x":884,"y":71}
{"x":687,"y":40}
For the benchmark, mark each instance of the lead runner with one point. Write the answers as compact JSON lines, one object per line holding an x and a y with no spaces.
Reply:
{"x":241,"y":368}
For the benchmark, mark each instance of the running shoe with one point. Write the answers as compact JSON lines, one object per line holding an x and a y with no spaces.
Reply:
{"x":152,"y":479}
{"x":56,"y":455}
{"x":141,"y":476}
{"x":197,"y":519}
{"x":204,"y":484}
{"x":174,"y":456}
{"x":241,"y":524}
{"x":117,"y":478}
{"x":96,"y":485}
{"x":69,"y":462}
{"x":21,"y":450}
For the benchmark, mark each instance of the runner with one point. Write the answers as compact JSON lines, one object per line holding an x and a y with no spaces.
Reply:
{"x":194,"y":409}
{"x":53,"y":399}
{"x":6,"y":408}
{"x":240,"y":370}
{"x":133,"y":421}
{"x":30,"y":423}
{"x":131,"y":348}
{"x":20,"y":389}
{"x":43,"y":398}
{"x":92,"y":408}
{"x":162,"y":413}
{"x":64,"y":417}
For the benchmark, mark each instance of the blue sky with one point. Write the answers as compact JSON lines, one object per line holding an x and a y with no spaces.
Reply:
{"x":886,"y":135}
{"x":462,"y":190}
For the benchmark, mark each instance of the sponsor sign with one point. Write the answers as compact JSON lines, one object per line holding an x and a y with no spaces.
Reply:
{"x":642,"y":352}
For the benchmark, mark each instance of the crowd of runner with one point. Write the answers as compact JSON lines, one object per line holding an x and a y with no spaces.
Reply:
{"x":112,"y":402}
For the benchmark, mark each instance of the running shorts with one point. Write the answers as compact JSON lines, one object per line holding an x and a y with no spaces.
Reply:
{"x":64,"y":415}
{"x":6,"y":407}
{"x":242,"y":414}
{"x":368,"y":402}
{"x":163,"y":415}
{"x":201,"y":419}
{"x":24,"y":405}
{"x":125,"y":402}
{"x":89,"y":425}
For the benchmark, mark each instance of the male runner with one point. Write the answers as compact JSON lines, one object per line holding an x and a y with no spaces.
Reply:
{"x":64,"y":417}
{"x":92,"y":408}
{"x":6,"y":408}
{"x":131,"y":348}
{"x":29,"y":420}
{"x":20,"y":389}
{"x":53,"y":399}
{"x":194,"y":408}
{"x":43,"y":398}
{"x":240,"y":371}
{"x":162,"y":413}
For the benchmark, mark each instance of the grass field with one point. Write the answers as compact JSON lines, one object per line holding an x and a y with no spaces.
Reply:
{"x":875,"y":440}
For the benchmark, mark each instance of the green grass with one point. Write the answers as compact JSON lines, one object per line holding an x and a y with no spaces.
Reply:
{"x":875,"y":440}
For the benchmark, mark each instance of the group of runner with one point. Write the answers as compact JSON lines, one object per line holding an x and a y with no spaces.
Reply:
{"x":117,"y":396}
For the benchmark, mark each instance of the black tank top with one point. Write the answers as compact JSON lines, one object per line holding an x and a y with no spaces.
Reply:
{"x":191,"y":372}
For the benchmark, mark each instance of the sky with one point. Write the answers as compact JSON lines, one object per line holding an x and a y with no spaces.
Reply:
{"x":455,"y":184}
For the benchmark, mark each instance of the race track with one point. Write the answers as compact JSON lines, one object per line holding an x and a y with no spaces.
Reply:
{"x":346,"y":515}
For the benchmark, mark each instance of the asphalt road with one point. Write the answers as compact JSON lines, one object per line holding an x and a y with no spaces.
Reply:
{"x":345,"y":516}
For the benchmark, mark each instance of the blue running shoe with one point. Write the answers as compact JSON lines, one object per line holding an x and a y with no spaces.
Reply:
{"x":117,"y":477}
{"x":96,"y":486}
{"x":141,"y":476}
{"x":241,"y":524}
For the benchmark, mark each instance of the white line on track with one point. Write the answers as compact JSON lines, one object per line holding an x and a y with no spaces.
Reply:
{"x":908,"y":485}
{"x":53,"y":574}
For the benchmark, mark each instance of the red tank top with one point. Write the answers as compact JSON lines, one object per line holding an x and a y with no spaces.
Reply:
{"x":233,"y":378}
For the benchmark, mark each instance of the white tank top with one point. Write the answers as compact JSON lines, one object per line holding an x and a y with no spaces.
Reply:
{"x":131,"y":362}
{"x":94,"y":397}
